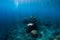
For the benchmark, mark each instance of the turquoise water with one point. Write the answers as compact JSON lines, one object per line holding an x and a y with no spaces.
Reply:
{"x":12,"y":14}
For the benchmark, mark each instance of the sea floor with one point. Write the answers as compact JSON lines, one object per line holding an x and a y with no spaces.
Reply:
{"x":48,"y":32}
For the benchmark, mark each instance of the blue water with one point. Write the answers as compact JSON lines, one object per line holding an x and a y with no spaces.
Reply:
{"x":42,"y":9}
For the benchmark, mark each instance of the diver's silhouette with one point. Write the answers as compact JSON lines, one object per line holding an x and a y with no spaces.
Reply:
{"x":31,"y":25}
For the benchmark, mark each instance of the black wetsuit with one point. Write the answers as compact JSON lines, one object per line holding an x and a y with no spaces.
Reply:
{"x":34,"y":27}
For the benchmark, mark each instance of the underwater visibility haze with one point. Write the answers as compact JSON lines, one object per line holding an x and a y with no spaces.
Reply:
{"x":14,"y":12}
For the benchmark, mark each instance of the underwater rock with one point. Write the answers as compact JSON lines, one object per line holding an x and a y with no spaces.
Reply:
{"x":48,"y":24}
{"x":56,"y":33}
{"x":57,"y":37}
{"x":51,"y":39}
{"x":34,"y":33}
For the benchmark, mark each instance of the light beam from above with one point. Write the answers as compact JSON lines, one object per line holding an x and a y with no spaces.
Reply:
{"x":19,"y":2}
{"x":16,"y":3}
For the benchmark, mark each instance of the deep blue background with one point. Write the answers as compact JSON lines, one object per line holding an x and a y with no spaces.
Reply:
{"x":43,"y":9}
